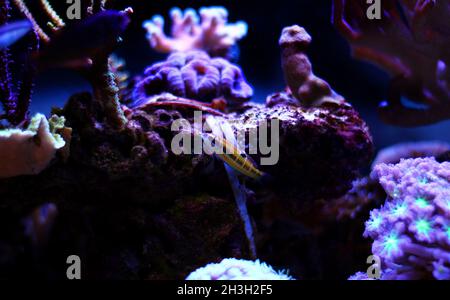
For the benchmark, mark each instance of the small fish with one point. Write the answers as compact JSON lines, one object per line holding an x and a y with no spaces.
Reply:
{"x":181,"y":102}
{"x":230,"y":152}
{"x":77,"y":43}
{"x":234,"y":164}
{"x":12,"y":32}
{"x":233,"y":157}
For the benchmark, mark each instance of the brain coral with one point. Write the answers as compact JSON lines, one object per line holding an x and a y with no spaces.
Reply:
{"x":411,"y":231}
{"x":238,"y":269}
{"x":194,"y":75}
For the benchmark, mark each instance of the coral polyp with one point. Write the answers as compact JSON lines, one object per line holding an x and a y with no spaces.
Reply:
{"x":235,"y":269}
{"x":410,"y":231}
{"x":194,"y":75}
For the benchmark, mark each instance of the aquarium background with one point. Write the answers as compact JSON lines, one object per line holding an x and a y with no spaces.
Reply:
{"x":362,"y":84}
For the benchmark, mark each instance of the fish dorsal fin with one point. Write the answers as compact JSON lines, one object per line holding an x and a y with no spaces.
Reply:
{"x":221,"y":127}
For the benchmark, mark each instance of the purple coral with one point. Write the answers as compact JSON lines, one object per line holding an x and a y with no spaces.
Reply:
{"x":411,"y":231}
{"x":194,"y":75}
{"x":210,"y":31}
{"x":411,"y":41}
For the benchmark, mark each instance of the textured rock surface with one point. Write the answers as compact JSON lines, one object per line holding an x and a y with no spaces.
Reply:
{"x":321,"y":148}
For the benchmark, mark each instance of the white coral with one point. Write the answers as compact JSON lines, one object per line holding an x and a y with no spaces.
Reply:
{"x":28,"y":152}
{"x":209,"y":30}
{"x":238,"y":269}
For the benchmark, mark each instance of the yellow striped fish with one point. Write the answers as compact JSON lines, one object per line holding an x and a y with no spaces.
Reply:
{"x":232,"y":156}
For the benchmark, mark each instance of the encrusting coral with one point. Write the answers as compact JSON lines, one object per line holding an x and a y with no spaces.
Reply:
{"x":194,"y":75}
{"x":210,"y":32}
{"x":237,"y":269}
{"x":411,"y":231}
{"x":411,"y":42}
{"x":28,"y":152}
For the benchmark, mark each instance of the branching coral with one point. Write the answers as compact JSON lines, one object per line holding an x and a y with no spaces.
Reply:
{"x":238,"y":269}
{"x":411,"y":42}
{"x":411,"y":231}
{"x":210,"y":31}
{"x":307,"y":88}
{"x":121,"y":76}
{"x":194,"y":75}
{"x":27,"y":152}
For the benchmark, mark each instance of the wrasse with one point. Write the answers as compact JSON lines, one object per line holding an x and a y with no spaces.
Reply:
{"x":231,"y":155}
{"x":180,"y":102}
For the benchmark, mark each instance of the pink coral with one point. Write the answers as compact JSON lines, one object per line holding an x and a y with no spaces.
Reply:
{"x":411,"y":232}
{"x":411,"y":42}
{"x":210,"y":31}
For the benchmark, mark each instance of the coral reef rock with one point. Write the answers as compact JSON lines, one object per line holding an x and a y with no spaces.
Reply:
{"x":321,"y":148}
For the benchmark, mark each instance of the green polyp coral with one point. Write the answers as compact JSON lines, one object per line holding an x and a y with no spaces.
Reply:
{"x":56,"y":124}
{"x":30,"y":151}
{"x":421,"y":202}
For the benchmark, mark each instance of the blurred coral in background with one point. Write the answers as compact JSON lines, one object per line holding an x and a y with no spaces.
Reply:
{"x":208,"y":30}
{"x":411,"y":41}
